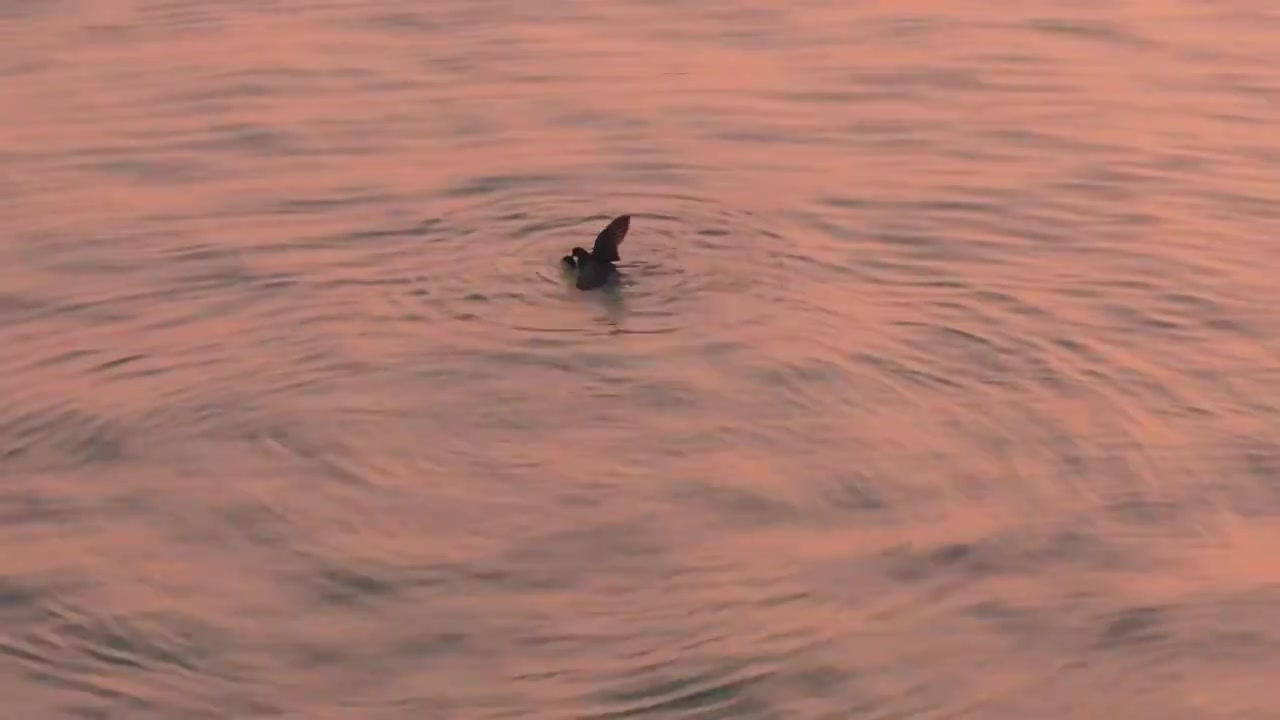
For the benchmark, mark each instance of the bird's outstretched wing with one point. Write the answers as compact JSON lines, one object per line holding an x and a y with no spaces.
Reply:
{"x":607,"y":242}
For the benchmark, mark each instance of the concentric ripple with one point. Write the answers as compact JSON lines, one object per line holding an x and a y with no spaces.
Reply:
{"x":492,"y":259}
{"x":940,"y":380}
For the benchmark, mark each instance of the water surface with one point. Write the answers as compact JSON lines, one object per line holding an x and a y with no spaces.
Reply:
{"x":943,"y":380}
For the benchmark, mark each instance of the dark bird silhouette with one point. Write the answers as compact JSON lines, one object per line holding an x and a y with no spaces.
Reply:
{"x":594,"y":268}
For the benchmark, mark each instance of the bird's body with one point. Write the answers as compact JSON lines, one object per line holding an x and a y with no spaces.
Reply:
{"x":594,"y":269}
{"x":594,"y":274}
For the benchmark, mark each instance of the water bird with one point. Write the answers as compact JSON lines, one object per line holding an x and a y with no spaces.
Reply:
{"x":594,"y":268}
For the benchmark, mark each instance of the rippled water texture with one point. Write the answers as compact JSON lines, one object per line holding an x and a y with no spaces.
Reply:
{"x":942,"y":381}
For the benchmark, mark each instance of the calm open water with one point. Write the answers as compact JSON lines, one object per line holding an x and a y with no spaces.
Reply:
{"x":943,"y":381}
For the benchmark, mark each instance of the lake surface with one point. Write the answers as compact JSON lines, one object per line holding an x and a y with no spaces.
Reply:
{"x":942,"y":381}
